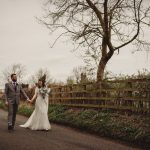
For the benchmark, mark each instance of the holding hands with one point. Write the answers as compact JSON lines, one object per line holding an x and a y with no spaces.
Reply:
{"x":6,"y":103}
{"x":30,"y":101}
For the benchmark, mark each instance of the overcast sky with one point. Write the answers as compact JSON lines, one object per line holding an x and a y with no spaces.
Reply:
{"x":23,"y":40}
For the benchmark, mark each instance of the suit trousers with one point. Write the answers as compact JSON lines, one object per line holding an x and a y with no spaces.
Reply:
{"x":12,"y":111}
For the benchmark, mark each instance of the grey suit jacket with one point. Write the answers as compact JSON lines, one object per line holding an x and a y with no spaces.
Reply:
{"x":11,"y":95}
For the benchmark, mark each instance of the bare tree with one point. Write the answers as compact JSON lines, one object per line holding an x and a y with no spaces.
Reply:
{"x":100,"y":25}
{"x":78,"y":75}
{"x":70,"y":80}
{"x":18,"y":69}
{"x":77,"y":71}
{"x":91,"y":59}
{"x":40,"y":73}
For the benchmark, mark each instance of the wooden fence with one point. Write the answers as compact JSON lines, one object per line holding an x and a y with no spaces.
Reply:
{"x":131,"y":94}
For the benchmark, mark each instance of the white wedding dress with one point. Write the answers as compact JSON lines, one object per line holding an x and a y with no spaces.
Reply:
{"x":39,"y":118}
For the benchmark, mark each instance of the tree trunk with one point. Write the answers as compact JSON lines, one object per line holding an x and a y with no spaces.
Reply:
{"x":101,"y":68}
{"x":103,"y":62}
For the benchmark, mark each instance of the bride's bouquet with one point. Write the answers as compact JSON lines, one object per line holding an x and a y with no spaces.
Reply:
{"x":44,"y":91}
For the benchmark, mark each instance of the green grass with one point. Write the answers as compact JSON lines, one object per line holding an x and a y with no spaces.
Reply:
{"x":127,"y":128}
{"x":2,"y":105}
{"x":25,"y":110}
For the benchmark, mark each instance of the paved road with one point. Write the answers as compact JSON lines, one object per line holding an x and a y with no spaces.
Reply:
{"x":59,"y":138}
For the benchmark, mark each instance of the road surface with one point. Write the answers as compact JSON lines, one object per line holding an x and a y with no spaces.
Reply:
{"x":59,"y":138}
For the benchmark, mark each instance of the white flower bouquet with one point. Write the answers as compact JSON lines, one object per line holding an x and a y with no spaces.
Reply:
{"x":44,"y":91}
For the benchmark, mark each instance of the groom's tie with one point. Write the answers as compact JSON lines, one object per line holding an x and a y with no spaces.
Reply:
{"x":15,"y":86}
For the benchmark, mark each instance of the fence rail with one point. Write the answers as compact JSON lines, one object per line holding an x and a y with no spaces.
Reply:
{"x":125,"y":95}
{"x":131,"y":94}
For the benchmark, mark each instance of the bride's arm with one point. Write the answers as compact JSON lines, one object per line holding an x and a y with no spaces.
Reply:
{"x":34,"y":96}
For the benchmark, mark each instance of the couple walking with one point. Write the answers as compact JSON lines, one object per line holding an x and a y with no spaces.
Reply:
{"x":39,"y":118}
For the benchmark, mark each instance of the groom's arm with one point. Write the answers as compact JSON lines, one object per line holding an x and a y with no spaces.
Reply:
{"x":6,"y":92}
{"x":23,"y":93}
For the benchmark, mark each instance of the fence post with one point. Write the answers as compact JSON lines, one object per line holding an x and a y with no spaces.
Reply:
{"x":60,"y":89}
{"x":129,"y":102}
{"x":84,"y":94}
{"x":71,"y":94}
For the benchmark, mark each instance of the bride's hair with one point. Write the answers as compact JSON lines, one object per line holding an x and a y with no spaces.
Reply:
{"x":43,"y":80}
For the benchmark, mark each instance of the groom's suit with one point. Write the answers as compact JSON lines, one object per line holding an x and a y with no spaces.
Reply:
{"x":13,"y":91}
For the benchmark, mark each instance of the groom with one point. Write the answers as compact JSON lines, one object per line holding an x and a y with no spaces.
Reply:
{"x":13,"y":91}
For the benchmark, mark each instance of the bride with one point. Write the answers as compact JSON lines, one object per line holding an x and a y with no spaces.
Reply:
{"x":39,"y":118}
